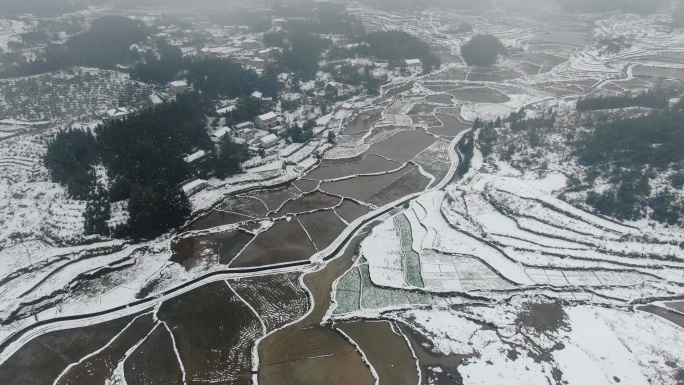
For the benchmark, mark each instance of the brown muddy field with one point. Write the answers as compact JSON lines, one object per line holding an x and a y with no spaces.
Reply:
{"x":669,"y":315}
{"x":98,"y":368}
{"x":451,"y":127}
{"x":395,"y":91}
{"x":213,"y":330}
{"x":429,"y":359}
{"x":216,"y":219}
{"x":421,"y":109}
{"x":154,"y":361}
{"x":364,"y":187}
{"x":310,"y":202}
{"x":307,"y":353}
{"x":279,"y":299}
{"x":437,"y":169}
{"x":403,"y":146}
{"x":428,"y":120}
{"x":410,"y":183}
{"x":323,"y":227}
{"x":350,"y":210}
{"x":362,"y":122}
{"x":306,"y":186}
{"x":479,"y":95}
{"x":678,"y":306}
{"x":223,"y":248}
{"x":245,"y":206}
{"x":42,"y":359}
{"x":283,"y":242}
{"x":370,"y":164}
{"x":439,"y":98}
{"x":386,"y":351}
{"x":275,"y":198}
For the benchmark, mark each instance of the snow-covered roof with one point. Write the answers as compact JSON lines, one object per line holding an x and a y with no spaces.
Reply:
{"x":257,"y":94}
{"x":178,"y":83}
{"x":221,"y":132}
{"x":115,"y":112}
{"x":268,"y":116}
{"x":244,"y":125}
{"x":269,"y":138}
{"x":192,"y":186}
{"x":413,"y":61}
{"x":223,"y":110}
{"x":193,"y":157}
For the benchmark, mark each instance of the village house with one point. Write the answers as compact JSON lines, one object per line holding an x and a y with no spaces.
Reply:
{"x":266,"y":121}
{"x":278,"y":23}
{"x":177,"y":87}
{"x":193,"y":186}
{"x":414,"y":64}
{"x":220,"y":134}
{"x":245,"y":134}
{"x":267,"y":141}
{"x":257,"y":63}
{"x":194,"y":157}
{"x":117,"y":113}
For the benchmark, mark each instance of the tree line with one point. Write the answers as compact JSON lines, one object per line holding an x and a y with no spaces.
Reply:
{"x":656,"y":98}
{"x":143,"y":158}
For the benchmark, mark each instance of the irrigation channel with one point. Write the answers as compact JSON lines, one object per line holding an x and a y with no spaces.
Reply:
{"x":260,"y":318}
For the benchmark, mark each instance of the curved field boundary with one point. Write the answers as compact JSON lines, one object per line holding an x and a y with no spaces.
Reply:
{"x":15,"y":341}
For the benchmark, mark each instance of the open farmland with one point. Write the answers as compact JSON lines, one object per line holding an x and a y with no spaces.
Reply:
{"x":380,"y":247}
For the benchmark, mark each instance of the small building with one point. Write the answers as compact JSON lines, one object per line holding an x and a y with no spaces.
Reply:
{"x":267,"y":141}
{"x":284,"y":77}
{"x":194,"y":157}
{"x":177,"y":87}
{"x":257,"y":63}
{"x":188,"y":51}
{"x":257,"y":95}
{"x":225,"y":110}
{"x":267,"y":53}
{"x":117,"y":113}
{"x":193,"y":186}
{"x":266,"y":121}
{"x":250,"y":44}
{"x":278,"y":23}
{"x":244,"y":125}
{"x":245,"y":134}
{"x":413,"y":64}
{"x":220,"y":134}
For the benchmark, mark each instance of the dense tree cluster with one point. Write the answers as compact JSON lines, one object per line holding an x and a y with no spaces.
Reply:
{"x":323,"y":17}
{"x":395,"y":47}
{"x":449,"y":4}
{"x":143,"y":158}
{"x":629,"y":153}
{"x":105,"y":45}
{"x":657,"y":98}
{"x":482,"y":50}
{"x":593,"y":6}
{"x":40,"y":7}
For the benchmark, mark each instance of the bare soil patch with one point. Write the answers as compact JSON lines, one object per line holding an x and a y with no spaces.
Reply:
{"x":154,"y":361}
{"x":364,"y":187}
{"x":350,"y":210}
{"x":283,"y":242}
{"x":216,"y":219}
{"x":309,"y":202}
{"x":278,"y":299}
{"x":42,"y":359}
{"x":362,"y":122}
{"x":98,"y":368}
{"x":323,"y":227}
{"x":403,"y":146}
{"x":386,"y":351}
{"x":214,"y":332}
{"x":410,"y":183}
